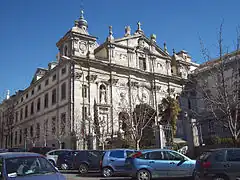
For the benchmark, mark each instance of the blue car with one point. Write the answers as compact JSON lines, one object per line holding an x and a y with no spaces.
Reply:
{"x":113,"y":161}
{"x":27,"y":166}
{"x":159,"y":163}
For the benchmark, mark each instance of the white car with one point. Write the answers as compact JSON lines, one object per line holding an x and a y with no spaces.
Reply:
{"x":52,"y":156}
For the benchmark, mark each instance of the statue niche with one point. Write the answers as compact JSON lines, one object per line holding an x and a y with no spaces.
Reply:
{"x":103,"y":94}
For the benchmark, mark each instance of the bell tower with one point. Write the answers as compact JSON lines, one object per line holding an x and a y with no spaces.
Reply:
{"x":77,"y":41}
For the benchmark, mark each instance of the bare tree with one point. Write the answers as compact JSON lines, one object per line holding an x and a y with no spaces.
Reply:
{"x":136,"y":119}
{"x":217,"y":84}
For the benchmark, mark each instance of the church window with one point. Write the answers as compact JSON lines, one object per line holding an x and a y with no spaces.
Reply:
{"x":84,"y":91}
{"x":54,"y":77}
{"x":65,"y":51}
{"x":63,"y":91}
{"x":142,"y":63}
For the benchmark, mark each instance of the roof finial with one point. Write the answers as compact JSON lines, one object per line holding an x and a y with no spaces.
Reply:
{"x":76,"y":23}
{"x":127,"y":31}
{"x":173,"y":51}
{"x":165,"y":46}
{"x":139,"y":29}
{"x":81,"y":14}
{"x":110,"y":36}
{"x":139,"y":25}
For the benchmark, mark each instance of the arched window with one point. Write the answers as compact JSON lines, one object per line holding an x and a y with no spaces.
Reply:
{"x":103,"y":94}
{"x":123,"y":118}
{"x":65,"y":51}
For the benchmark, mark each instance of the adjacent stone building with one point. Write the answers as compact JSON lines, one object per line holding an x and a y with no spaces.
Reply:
{"x":90,"y":80}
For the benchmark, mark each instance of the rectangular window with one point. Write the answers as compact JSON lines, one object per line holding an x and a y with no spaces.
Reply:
{"x":38,"y":104}
{"x":21,"y":114}
{"x":63,"y":91}
{"x":26,"y":96}
{"x":63,"y":70}
{"x":84,"y":91}
{"x":63,"y":123}
{"x":53,"y":125}
{"x":39,"y":87}
{"x":84,"y":112}
{"x":142,"y":63}
{"x":16,"y":117}
{"x":15,"y":138}
{"x":38,"y":130}
{"x":54,"y":77}
{"x":32,"y":108}
{"x":31,"y":131}
{"x":22,"y":99}
{"x":26,"y":111}
{"x":54,"y":96}
{"x":20,"y":137}
{"x":46,"y":82}
{"x":25,"y":132}
{"x":46,"y":100}
{"x":33,"y":92}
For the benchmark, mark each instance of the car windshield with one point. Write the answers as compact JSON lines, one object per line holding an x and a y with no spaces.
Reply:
{"x":24,"y":166}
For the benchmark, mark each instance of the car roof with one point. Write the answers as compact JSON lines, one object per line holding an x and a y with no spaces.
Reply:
{"x":18,"y":154}
{"x":120,"y":149}
{"x":152,"y":150}
{"x":60,"y":150}
{"x":219,"y":149}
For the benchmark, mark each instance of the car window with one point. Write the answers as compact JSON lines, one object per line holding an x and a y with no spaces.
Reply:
{"x":24,"y":166}
{"x":59,"y":152}
{"x":170,"y":155}
{"x":1,"y":167}
{"x":204,"y":156}
{"x":156,"y":155}
{"x":233,"y":155}
{"x":219,"y":156}
{"x":129,"y":153}
{"x":52,"y":153}
{"x":117,"y":154}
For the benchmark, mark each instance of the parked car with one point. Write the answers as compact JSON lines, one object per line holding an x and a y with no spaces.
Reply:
{"x":30,"y":166}
{"x":114,"y":161}
{"x":218,"y":164}
{"x":52,"y":155}
{"x":65,"y":160}
{"x":16,"y":150}
{"x":3,"y":150}
{"x":41,"y":150}
{"x":86,"y":161}
{"x":159,"y":163}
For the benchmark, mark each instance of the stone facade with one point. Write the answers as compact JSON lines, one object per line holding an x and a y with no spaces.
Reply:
{"x":90,"y":80}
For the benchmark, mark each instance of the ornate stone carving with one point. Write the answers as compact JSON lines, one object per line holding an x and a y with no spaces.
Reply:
{"x":92,"y":78}
{"x":77,"y":75}
{"x":134,"y":84}
{"x":123,"y":56}
{"x":143,"y":95}
{"x":114,"y":81}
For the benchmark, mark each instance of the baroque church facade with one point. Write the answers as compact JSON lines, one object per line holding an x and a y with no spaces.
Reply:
{"x":91,"y":80}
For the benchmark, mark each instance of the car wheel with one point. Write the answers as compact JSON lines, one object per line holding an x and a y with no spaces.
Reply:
{"x":64,"y":166}
{"x":83,"y":169}
{"x":107,"y":172}
{"x":143,"y":174}
{"x":220,"y":178}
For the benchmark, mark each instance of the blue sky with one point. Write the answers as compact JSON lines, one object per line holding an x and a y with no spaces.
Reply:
{"x":29,"y":29}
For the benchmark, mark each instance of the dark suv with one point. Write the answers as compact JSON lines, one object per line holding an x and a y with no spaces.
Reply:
{"x":218,"y":164}
{"x":86,"y":161}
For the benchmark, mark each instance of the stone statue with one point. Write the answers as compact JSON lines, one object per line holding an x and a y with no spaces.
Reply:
{"x":102,"y":95}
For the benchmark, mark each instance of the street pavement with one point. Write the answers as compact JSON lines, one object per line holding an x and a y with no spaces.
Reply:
{"x":97,"y":176}
{"x":90,"y":176}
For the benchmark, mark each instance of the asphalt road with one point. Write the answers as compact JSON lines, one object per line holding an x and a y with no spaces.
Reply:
{"x":96,"y":176}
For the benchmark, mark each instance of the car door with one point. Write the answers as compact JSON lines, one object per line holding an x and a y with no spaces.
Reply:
{"x":157,"y":164}
{"x":233,"y":163}
{"x":94,"y":160}
{"x":178,"y":165}
{"x":117,"y":160}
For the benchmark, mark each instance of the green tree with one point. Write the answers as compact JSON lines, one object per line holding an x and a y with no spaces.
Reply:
{"x":168,"y":111}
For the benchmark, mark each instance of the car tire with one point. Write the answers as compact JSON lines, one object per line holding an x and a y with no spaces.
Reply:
{"x":220,"y":177}
{"x":107,"y":172}
{"x":83,"y":169}
{"x":143,"y":174}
